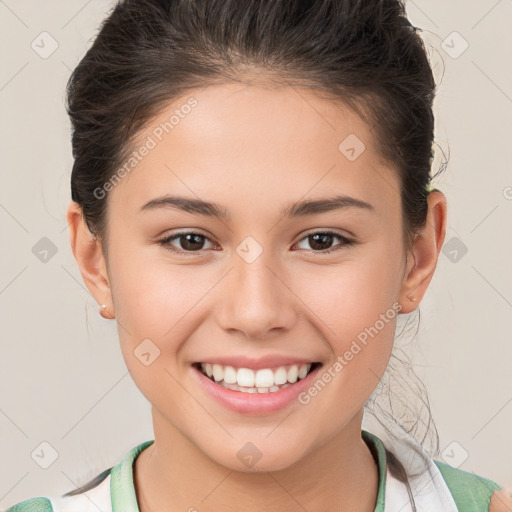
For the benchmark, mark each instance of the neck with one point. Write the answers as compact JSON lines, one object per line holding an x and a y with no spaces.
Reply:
{"x":173,"y":474}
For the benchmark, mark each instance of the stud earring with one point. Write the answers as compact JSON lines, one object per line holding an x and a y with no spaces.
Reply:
{"x":103,"y":310}
{"x":412,"y":299}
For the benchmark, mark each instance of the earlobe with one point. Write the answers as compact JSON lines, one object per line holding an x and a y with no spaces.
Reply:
{"x":425,"y":252}
{"x":87,"y":251}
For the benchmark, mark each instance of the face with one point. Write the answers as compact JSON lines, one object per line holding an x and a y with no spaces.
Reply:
{"x":262,"y":283}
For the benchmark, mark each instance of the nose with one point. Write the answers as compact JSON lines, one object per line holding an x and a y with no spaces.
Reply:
{"x":257,"y":300}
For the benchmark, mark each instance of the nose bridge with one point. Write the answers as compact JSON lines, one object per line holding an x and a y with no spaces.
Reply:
{"x":256,"y":300}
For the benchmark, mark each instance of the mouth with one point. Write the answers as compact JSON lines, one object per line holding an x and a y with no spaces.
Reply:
{"x":264,"y":380}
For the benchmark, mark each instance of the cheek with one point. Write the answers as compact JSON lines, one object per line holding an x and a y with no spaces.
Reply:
{"x":356,"y":310}
{"x":158,"y":307}
{"x":349,"y":297}
{"x":151,"y":295}
{"x":154,"y":310}
{"x":357,"y":321}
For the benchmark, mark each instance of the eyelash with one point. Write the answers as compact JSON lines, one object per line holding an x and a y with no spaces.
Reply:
{"x":345,"y":245}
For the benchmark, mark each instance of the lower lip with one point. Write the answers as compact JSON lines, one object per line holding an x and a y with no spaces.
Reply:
{"x":255,"y":403}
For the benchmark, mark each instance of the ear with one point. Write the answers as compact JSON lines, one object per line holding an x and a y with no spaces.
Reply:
{"x":422,"y":261}
{"x":87,"y":251}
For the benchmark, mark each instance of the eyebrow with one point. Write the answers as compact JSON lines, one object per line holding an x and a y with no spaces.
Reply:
{"x":299,"y":209}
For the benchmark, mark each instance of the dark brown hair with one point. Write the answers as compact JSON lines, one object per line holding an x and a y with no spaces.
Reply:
{"x":363,"y":53}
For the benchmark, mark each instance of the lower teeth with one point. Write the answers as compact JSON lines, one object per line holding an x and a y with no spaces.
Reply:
{"x":236,"y":387}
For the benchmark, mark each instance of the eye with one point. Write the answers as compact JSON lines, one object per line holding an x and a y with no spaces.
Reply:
{"x":191,"y":242}
{"x":320,"y":239}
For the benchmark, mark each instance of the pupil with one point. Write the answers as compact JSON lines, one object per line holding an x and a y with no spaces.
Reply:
{"x":195,"y":238}
{"x":322,"y":236}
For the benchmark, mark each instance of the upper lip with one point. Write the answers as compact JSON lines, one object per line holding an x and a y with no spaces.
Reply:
{"x":269,"y":361}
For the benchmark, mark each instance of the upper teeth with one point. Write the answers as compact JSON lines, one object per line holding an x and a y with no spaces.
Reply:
{"x":264,"y":378}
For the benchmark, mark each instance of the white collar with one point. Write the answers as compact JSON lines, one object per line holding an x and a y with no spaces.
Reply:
{"x":429,"y":489}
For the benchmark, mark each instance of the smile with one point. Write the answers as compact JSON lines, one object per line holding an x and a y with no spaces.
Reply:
{"x":263,"y":380}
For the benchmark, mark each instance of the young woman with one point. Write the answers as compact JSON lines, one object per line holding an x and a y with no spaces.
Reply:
{"x":252,"y":203}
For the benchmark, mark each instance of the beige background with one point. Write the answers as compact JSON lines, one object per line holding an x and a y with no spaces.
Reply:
{"x":62,"y":377}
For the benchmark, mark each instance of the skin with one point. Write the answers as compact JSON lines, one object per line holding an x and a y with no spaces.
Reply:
{"x":501,"y":501}
{"x":254,"y":149}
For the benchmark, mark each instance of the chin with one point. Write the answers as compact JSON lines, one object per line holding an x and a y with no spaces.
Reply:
{"x":248,"y":458}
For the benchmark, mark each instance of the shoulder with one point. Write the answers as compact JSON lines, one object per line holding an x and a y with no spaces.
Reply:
{"x":472,"y":492}
{"x":96,"y":495}
{"x":92,"y":497}
{"x":32,"y":505}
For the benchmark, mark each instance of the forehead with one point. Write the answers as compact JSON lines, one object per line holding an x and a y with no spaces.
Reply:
{"x":259,"y":141}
